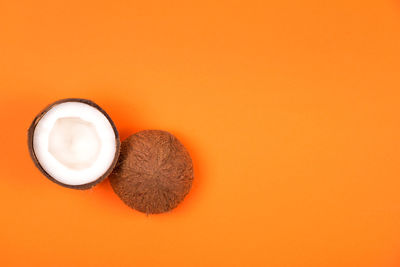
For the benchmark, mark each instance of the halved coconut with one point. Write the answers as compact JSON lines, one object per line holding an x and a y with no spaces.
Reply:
{"x":154,"y":172}
{"x":74,"y":143}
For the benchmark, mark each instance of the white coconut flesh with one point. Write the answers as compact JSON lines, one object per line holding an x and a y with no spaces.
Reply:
{"x":74,"y":143}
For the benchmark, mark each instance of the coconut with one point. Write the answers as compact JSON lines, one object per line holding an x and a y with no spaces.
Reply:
{"x":154,"y":172}
{"x":74,"y":143}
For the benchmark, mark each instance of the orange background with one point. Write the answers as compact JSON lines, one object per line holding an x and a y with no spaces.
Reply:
{"x":290,"y":110}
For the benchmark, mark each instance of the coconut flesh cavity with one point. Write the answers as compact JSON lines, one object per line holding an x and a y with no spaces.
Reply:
{"x":74,"y":143}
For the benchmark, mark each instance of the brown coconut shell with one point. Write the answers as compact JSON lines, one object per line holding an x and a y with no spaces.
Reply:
{"x":31,"y":131}
{"x":154,"y":172}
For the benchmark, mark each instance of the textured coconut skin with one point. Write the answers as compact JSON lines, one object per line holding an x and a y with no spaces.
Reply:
{"x":154,"y":172}
{"x":31,"y":131}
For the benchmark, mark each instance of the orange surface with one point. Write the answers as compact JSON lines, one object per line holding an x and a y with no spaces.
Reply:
{"x":290,"y":110}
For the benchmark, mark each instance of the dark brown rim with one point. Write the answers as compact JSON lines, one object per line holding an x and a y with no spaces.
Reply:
{"x":31,"y":131}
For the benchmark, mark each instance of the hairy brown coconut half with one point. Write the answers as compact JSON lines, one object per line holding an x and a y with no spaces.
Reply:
{"x":154,"y":172}
{"x":74,"y":143}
